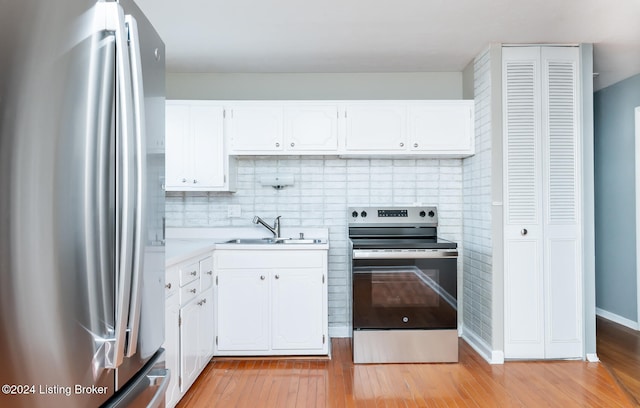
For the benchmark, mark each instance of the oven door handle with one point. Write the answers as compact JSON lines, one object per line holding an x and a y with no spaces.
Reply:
{"x":386,"y":254}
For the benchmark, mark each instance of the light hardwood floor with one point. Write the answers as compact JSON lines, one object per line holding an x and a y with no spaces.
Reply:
{"x":618,"y":348}
{"x":339,"y":383}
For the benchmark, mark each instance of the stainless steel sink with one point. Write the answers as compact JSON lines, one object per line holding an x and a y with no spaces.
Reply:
{"x":299,"y":241}
{"x":269,"y":241}
{"x":251,"y":241}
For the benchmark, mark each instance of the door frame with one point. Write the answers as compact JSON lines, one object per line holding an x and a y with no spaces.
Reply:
{"x":637,"y":164}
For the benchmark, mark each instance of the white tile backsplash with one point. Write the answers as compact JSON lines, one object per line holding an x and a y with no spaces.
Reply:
{"x":477,"y":261}
{"x":323,"y":189}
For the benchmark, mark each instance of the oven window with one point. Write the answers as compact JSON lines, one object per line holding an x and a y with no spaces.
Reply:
{"x":404,"y":293}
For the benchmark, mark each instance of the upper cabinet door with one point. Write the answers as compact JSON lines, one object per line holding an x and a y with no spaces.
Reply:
{"x":442,"y":127}
{"x":195,"y":156}
{"x":256,"y":128}
{"x":311,"y":128}
{"x":178,"y":166}
{"x":376,"y":127}
{"x":207,"y":127}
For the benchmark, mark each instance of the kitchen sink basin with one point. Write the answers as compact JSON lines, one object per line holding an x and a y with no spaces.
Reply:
{"x":299,"y":241}
{"x":273,"y":241}
{"x":251,"y":241}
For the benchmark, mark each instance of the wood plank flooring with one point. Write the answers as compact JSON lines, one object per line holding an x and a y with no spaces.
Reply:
{"x":340,"y":383}
{"x":618,"y":348}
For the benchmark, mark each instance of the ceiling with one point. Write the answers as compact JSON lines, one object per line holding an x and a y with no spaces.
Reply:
{"x":293,"y":36}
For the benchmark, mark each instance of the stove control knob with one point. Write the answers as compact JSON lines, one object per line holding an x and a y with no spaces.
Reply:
{"x":354,"y":214}
{"x":405,"y":319}
{"x":363,"y":214}
{"x":431,"y":214}
{"x":423,"y":214}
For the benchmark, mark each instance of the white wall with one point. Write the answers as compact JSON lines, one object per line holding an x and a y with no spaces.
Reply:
{"x":409,"y":85}
{"x":324,"y":188}
{"x":477,"y":232}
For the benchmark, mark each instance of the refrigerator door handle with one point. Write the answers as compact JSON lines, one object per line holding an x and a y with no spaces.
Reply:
{"x":161,"y":376}
{"x":140,"y":183}
{"x":124,"y":188}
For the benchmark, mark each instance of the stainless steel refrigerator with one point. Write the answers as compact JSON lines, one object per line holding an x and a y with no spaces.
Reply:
{"x":81,"y":205}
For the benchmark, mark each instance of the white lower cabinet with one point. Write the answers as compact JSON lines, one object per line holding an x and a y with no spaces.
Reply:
{"x":189,"y":323}
{"x":271,"y":302}
{"x":243,"y":310}
{"x":296,"y":314}
{"x":172,"y":347}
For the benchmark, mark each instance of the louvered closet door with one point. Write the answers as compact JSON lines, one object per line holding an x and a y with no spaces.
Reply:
{"x":543,"y":271}
{"x":561,"y":205}
{"x":524,"y":308}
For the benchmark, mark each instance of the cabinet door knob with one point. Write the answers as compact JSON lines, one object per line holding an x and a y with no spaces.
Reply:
{"x":184,"y":180}
{"x":524,"y":232}
{"x":277,"y":144}
{"x":194,"y":273}
{"x":192,"y":290}
{"x":168,"y":285}
{"x":401,"y":144}
{"x":195,"y":181}
{"x":292,"y":144}
{"x":209,"y":272}
{"x":415,"y":145}
{"x":261,"y":277}
{"x":277,"y":276}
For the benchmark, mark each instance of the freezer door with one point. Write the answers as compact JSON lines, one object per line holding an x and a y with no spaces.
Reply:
{"x":146,"y":389}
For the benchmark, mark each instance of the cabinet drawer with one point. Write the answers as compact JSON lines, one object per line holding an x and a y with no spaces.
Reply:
{"x":171,"y":281}
{"x":189,"y":292}
{"x":206,"y":273}
{"x":230,"y":259}
{"x":189,"y":273}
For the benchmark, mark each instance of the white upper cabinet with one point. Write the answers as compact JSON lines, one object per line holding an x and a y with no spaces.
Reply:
{"x":276,"y":128}
{"x":311,"y":128}
{"x":376,"y":127}
{"x":350,"y":128}
{"x":442,"y":127}
{"x":195,"y":155}
{"x":256,"y":128}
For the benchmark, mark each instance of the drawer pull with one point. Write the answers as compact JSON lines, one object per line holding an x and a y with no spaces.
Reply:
{"x":168,"y":285}
{"x":209,"y":272}
{"x":194,"y":273}
{"x":192,"y":290}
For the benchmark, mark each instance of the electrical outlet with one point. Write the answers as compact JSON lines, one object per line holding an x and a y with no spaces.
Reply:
{"x":234,"y":211}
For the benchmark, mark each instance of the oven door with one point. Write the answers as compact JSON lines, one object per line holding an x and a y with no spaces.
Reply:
{"x":405,"y":289}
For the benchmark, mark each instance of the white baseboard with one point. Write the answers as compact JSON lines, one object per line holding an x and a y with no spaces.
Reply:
{"x":592,"y":358}
{"x":482,"y":348}
{"x":617,"y":319}
{"x":339,"y":331}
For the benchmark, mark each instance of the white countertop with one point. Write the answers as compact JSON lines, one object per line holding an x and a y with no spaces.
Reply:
{"x":185,"y":243}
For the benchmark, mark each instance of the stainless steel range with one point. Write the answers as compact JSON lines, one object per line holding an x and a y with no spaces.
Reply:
{"x":404,"y":286}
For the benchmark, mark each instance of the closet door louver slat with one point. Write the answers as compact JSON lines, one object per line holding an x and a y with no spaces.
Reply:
{"x":521,"y":142}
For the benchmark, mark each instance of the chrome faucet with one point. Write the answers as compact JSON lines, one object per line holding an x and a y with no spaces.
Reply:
{"x":275,"y":230}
